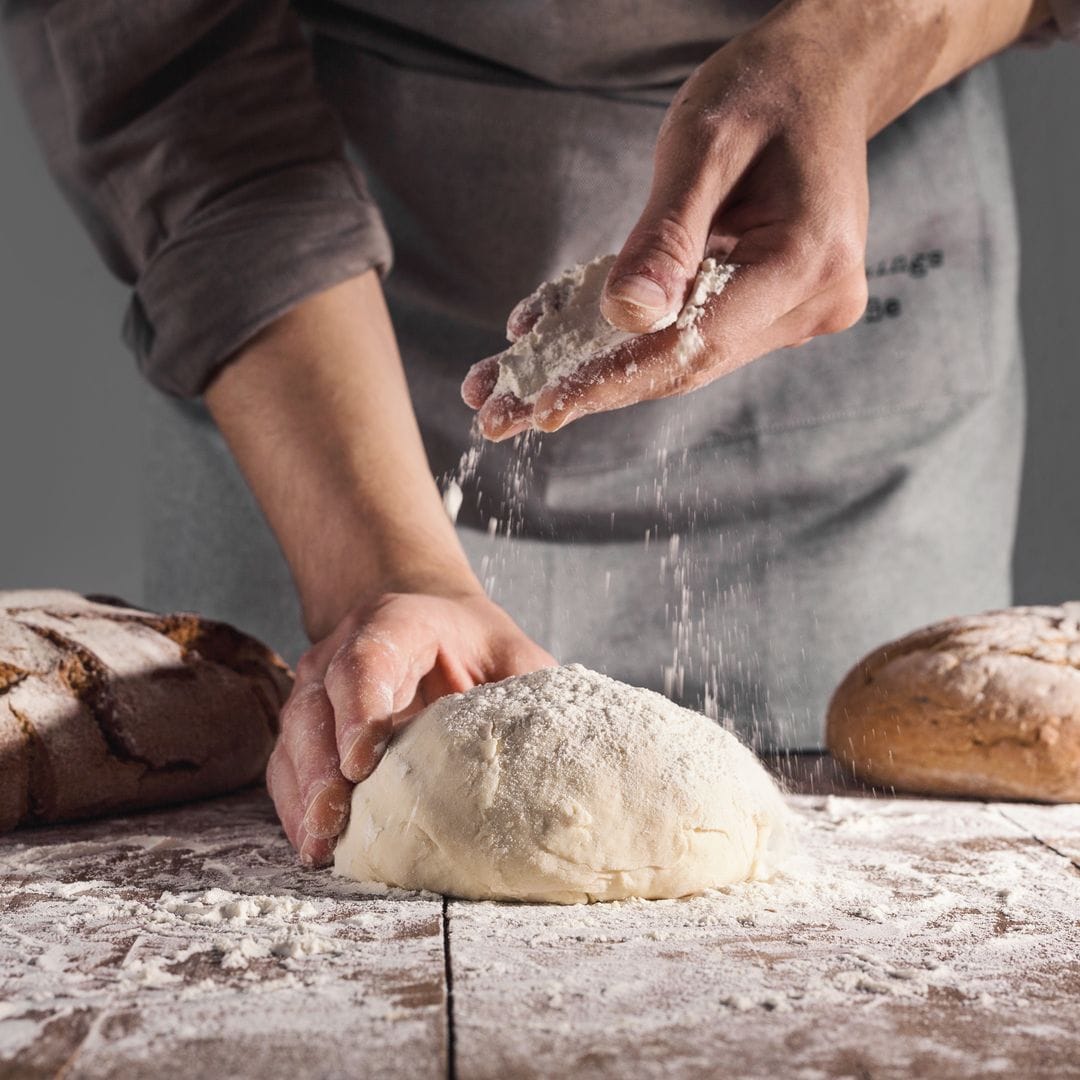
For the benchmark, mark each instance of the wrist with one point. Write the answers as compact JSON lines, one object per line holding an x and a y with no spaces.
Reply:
{"x":329,"y":595}
{"x":863,"y":59}
{"x":316,"y":411}
{"x":807,"y":63}
{"x":880,"y":57}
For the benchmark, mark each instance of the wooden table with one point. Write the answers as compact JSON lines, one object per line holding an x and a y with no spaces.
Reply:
{"x":911,"y":938}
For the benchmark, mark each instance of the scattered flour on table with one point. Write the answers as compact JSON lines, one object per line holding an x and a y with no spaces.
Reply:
{"x":569,"y":328}
{"x":221,"y":906}
{"x":890,"y":905}
{"x":200,"y":921}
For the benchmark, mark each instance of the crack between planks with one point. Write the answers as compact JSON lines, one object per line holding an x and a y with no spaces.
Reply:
{"x":64,"y":1069}
{"x":1028,"y":831}
{"x":448,"y":981}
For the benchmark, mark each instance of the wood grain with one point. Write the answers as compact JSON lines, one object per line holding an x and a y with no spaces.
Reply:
{"x":1056,"y":826}
{"x":942,"y":941}
{"x":937,"y":939}
{"x":99,"y":978}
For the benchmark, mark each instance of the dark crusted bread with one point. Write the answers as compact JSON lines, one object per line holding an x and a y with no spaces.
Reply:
{"x":985,"y":705}
{"x":106,"y":708}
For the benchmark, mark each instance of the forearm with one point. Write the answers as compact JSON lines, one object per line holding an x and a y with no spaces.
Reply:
{"x":885,"y":55}
{"x":317,"y":413}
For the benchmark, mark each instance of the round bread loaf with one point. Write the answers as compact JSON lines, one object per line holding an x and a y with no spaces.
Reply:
{"x":106,"y":708}
{"x":983,"y":705}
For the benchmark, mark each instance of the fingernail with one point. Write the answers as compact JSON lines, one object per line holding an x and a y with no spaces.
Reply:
{"x":307,"y":856}
{"x":348,"y":759}
{"x":319,"y":807}
{"x":639,"y":290}
{"x":567,"y":418}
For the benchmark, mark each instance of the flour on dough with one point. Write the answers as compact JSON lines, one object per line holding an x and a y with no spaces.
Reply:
{"x":563,"y":786}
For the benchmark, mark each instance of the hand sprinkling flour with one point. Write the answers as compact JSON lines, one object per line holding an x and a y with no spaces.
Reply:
{"x":558,"y":332}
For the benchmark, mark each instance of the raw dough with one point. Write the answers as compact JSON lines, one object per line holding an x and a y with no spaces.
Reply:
{"x":563,"y":786}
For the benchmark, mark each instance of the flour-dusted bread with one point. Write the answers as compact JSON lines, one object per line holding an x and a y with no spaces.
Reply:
{"x":983,"y":705}
{"x":106,"y":708}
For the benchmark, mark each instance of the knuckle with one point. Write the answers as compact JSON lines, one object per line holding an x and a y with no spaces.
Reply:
{"x":356,"y":669}
{"x":856,"y":299}
{"x":523,"y":656}
{"x":353,"y":621}
{"x":823,"y":261}
{"x":300,"y":716}
{"x":291,"y":738}
{"x":693,"y":133}
{"x":830,"y":324}
{"x":713,"y":361}
{"x":394,"y":600}
{"x":682,"y":382}
{"x":357,"y":653}
{"x":839,"y":256}
{"x":307,"y":668}
{"x":287,"y":719}
{"x":847,"y":308}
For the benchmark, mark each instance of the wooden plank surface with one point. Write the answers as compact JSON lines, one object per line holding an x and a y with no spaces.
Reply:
{"x":909,"y":938}
{"x":913,"y":939}
{"x":1056,"y":826}
{"x":189,"y":943}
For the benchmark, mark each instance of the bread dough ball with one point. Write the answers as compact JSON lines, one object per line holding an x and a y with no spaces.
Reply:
{"x":984,"y":705}
{"x":563,"y":786}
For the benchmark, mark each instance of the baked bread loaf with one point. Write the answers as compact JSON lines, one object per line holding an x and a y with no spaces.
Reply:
{"x":983,"y":705}
{"x":106,"y":708}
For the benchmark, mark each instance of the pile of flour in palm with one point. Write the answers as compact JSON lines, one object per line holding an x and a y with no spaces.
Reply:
{"x":563,"y":786}
{"x":568,"y":328}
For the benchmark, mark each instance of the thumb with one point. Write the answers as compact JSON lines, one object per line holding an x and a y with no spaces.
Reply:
{"x":649,"y":279}
{"x":697,"y":167}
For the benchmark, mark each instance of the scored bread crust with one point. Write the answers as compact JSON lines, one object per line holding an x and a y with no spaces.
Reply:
{"x":105,"y":708}
{"x":983,"y":705}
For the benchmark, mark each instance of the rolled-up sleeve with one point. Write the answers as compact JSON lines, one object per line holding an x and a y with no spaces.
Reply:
{"x":1064,"y":23}
{"x":1067,"y":18}
{"x":191,"y":139}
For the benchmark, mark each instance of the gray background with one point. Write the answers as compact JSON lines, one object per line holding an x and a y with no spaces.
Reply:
{"x":69,"y":404}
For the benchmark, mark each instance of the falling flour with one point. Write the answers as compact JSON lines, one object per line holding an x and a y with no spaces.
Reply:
{"x":568,"y":329}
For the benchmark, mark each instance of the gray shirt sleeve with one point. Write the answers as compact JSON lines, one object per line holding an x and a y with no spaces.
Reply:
{"x":192,"y":141}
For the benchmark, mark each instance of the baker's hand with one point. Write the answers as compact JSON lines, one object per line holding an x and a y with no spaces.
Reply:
{"x":761,"y":160}
{"x":377,"y":669}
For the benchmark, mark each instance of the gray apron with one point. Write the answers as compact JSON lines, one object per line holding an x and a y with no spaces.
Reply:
{"x":740,"y":547}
